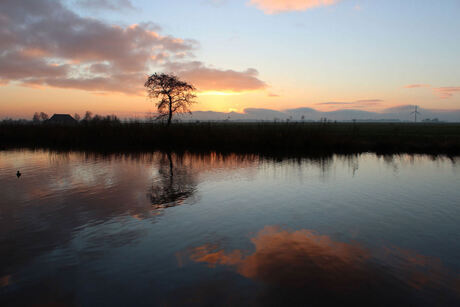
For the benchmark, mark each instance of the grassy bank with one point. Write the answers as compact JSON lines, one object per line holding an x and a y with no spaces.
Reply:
{"x":260,"y":138}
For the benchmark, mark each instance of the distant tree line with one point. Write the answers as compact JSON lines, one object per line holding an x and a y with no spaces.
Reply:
{"x":88,"y":118}
{"x":40,"y":117}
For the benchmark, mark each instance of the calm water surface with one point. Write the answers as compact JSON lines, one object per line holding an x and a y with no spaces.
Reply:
{"x":157,"y":229}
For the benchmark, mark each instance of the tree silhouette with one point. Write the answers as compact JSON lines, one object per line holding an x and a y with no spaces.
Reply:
{"x":39,"y":117}
{"x":36,"y":117}
{"x":88,"y":116}
{"x":174,"y":185}
{"x":174,"y":95}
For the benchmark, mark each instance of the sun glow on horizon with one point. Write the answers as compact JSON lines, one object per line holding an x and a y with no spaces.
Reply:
{"x":218,"y":93}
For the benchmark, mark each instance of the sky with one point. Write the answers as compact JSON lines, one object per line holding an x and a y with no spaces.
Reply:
{"x":70,"y":56}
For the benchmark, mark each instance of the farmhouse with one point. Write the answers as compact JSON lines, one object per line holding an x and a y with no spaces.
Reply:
{"x":62,"y":119}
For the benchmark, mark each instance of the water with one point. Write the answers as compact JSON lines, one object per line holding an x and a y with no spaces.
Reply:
{"x":158,"y":229}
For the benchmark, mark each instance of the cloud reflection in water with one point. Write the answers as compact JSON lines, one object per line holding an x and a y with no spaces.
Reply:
{"x":303,"y":266}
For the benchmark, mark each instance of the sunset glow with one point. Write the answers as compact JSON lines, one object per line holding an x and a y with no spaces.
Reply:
{"x":217,"y":93}
{"x":72,"y":56}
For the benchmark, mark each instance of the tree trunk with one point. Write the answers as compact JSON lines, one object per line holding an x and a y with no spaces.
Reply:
{"x":170,"y":112}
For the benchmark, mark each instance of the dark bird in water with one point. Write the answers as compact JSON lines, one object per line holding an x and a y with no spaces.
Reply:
{"x":18,"y":174}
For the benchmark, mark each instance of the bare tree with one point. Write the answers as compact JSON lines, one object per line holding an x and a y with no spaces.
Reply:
{"x":44,"y":116}
{"x":36,"y":117}
{"x":40,"y":117}
{"x":173,"y":95}
{"x":88,"y":116}
{"x":77,"y":117}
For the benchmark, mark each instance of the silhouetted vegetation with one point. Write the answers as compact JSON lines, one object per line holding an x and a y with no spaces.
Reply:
{"x":173,"y":94}
{"x":109,"y":134}
{"x":174,"y":185}
{"x":40,"y":117}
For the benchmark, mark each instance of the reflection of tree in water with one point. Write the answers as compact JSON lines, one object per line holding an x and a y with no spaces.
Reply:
{"x":353,"y":163}
{"x":390,"y":162}
{"x":174,"y":185}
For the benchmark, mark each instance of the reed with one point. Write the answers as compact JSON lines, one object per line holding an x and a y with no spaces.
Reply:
{"x":261,"y":138}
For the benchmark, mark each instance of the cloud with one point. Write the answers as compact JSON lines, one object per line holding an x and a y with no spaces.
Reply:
{"x":12,"y":66}
{"x":278,"y":6}
{"x":45,"y":43}
{"x":127,"y":83}
{"x":307,"y":266}
{"x":114,"y":5}
{"x":289,"y":258}
{"x":355,"y":104}
{"x":447,"y":91}
{"x":369,"y":101}
{"x":444,"y":92}
{"x":209,"y":78}
{"x":333,"y":103}
{"x":417,"y":86}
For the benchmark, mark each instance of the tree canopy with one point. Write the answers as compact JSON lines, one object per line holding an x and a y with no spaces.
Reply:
{"x":172,"y":94}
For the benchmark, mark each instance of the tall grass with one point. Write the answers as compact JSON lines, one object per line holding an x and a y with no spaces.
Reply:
{"x":261,"y":138}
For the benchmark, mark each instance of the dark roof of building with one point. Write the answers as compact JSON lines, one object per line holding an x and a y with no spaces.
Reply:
{"x":62,"y":119}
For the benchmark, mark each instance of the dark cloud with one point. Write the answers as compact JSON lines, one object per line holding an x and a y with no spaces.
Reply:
{"x":12,"y":67}
{"x":209,"y":78}
{"x":43,"y":42}
{"x":127,"y":83}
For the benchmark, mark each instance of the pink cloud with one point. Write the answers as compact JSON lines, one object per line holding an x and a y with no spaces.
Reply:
{"x":209,"y":78}
{"x":309,"y":262}
{"x":447,"y":91}
{"x":278,"y":6}
{"x":417,"y":86}
{"x":353,"y":104}
{"x":45,"y":43}
{"x":444,"y":92}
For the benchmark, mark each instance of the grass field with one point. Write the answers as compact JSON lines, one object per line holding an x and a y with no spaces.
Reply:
{"x":261,"y":138}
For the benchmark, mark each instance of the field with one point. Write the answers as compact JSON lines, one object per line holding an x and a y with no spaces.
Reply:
{"x":261,"y":138}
